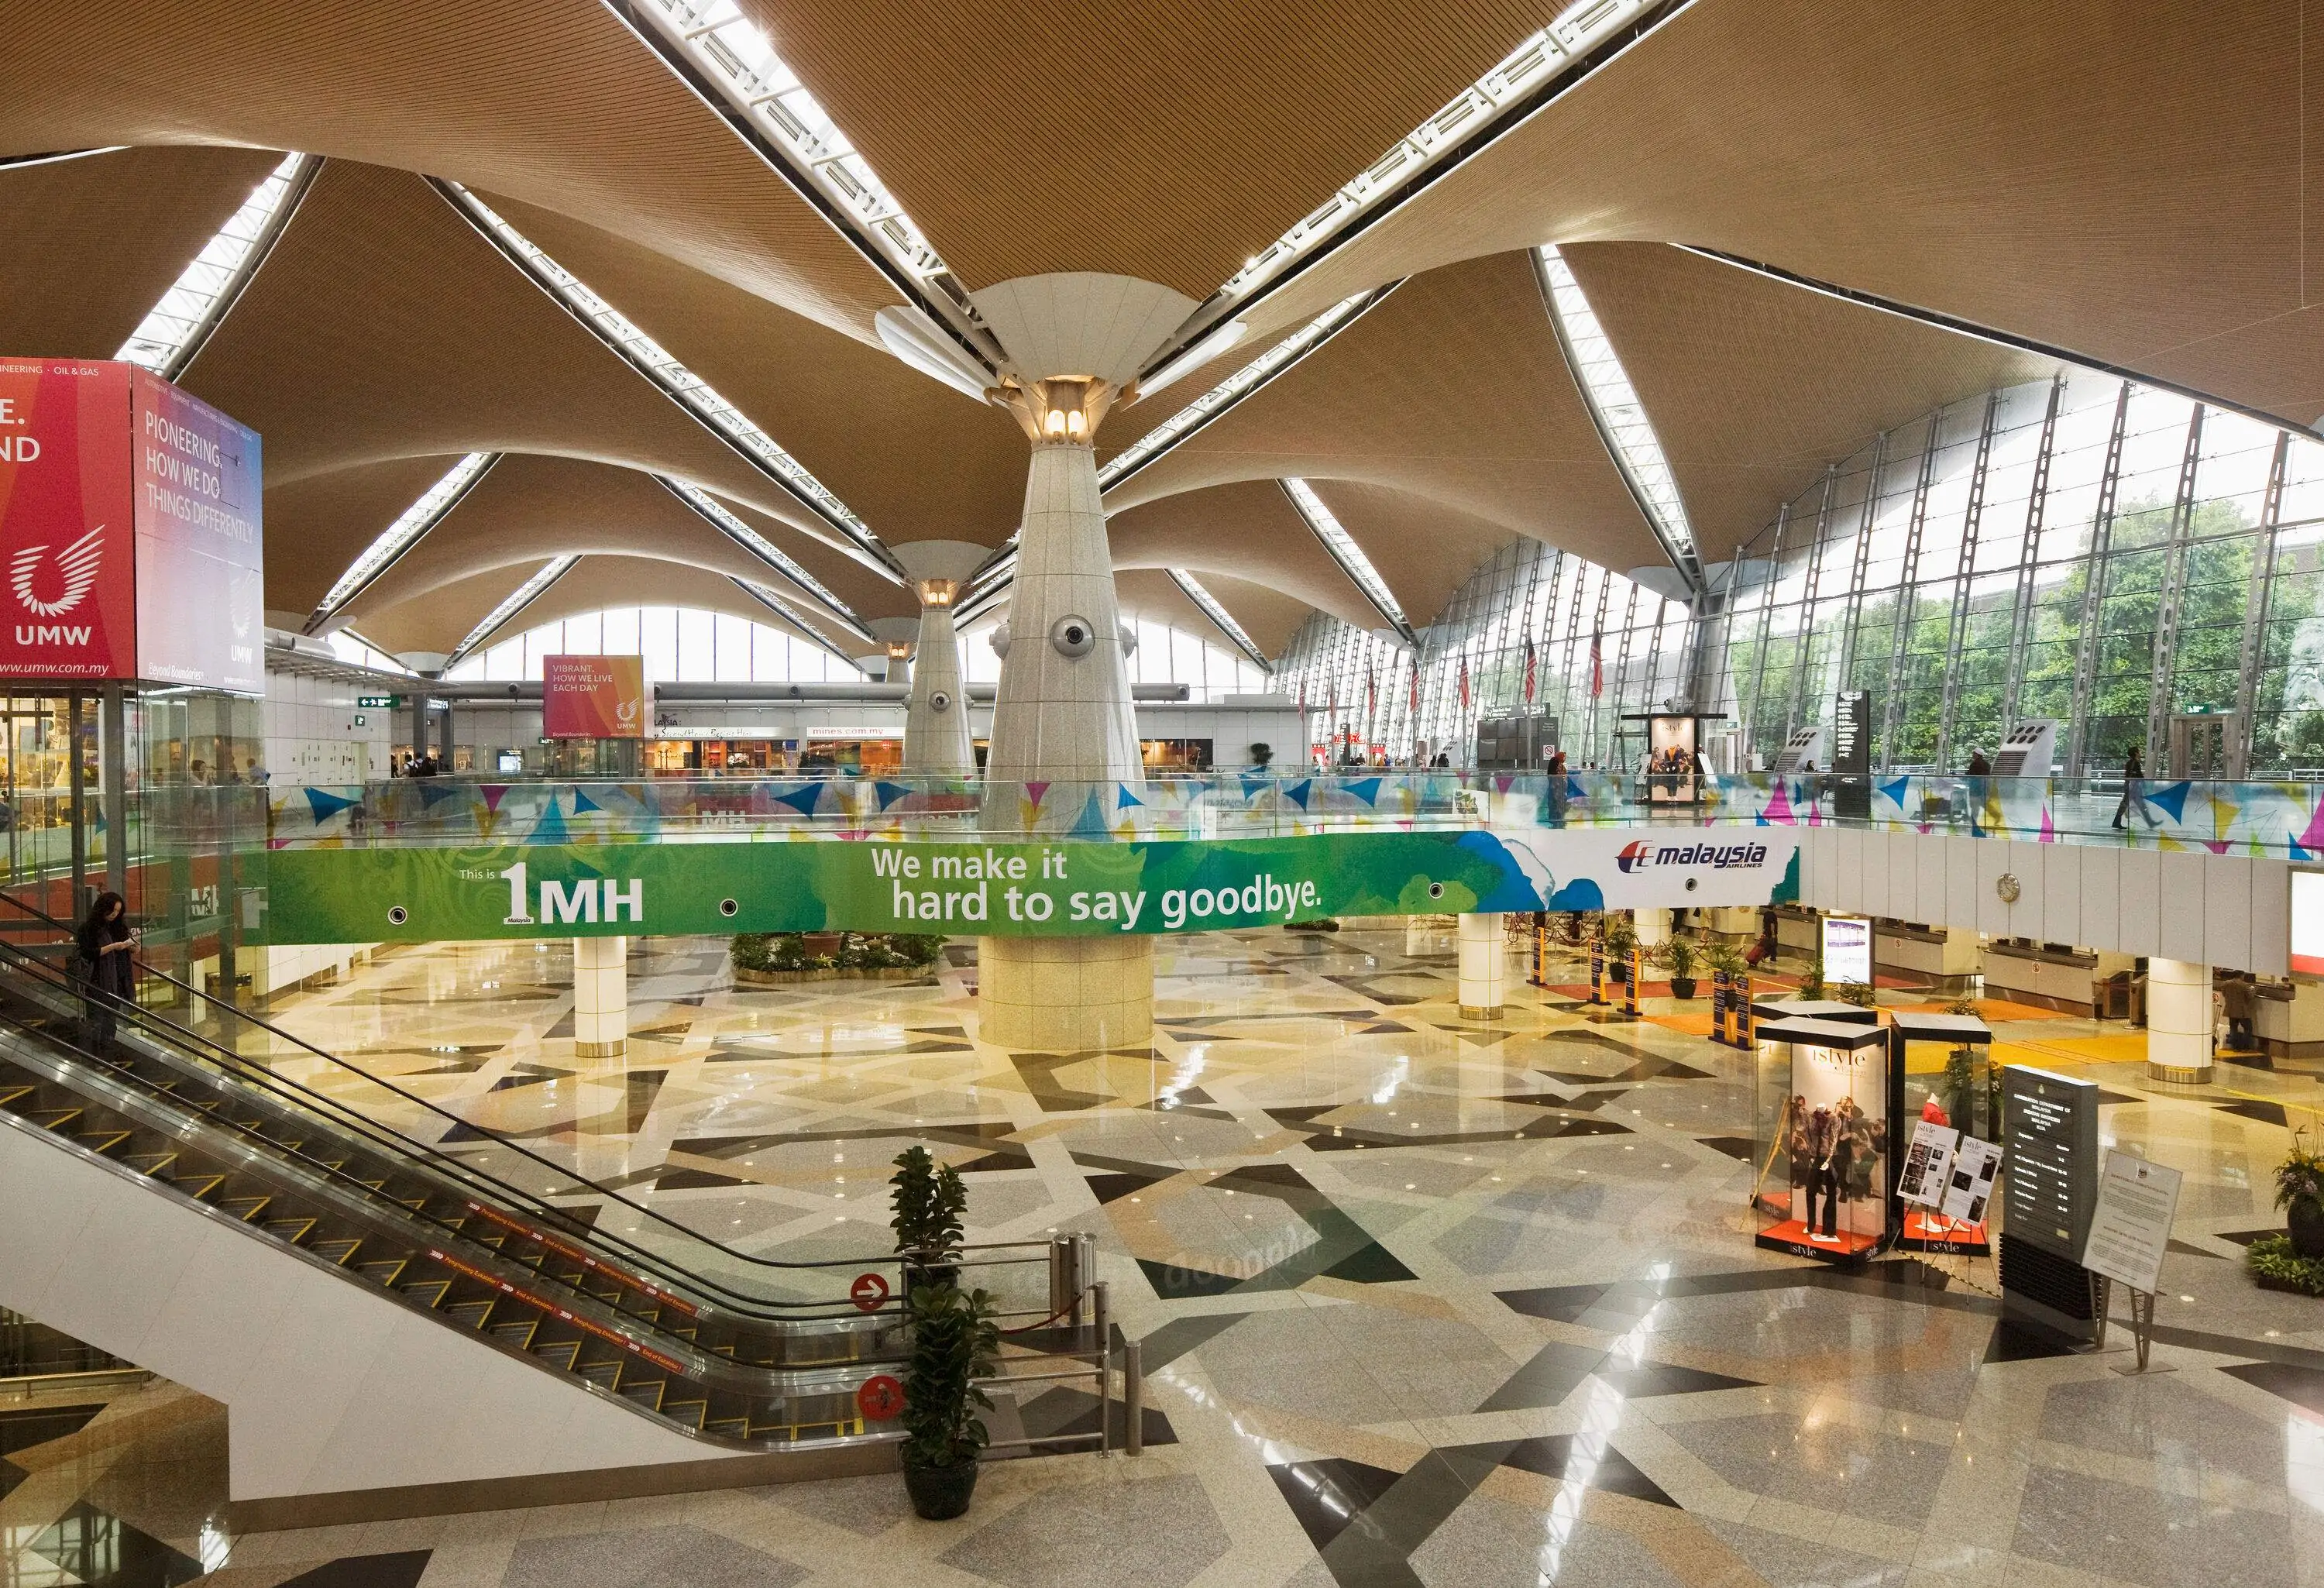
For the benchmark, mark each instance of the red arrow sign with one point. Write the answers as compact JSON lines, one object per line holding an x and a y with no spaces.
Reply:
{"x":868,"y":1292}
{"x":880,"y":1398}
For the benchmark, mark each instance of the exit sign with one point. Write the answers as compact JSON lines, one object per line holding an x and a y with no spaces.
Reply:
{"x":383,"y":702}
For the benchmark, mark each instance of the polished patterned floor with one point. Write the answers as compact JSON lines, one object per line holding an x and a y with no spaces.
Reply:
{"x":1423,"y":1302}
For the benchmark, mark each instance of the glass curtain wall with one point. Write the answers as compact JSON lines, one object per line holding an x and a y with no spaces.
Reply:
{"x":2086,"y":550}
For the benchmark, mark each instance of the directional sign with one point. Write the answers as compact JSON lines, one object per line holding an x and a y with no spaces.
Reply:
{"x":380,"y":702}
{"x":880,"y":1398}
{"x":868,"y":1292}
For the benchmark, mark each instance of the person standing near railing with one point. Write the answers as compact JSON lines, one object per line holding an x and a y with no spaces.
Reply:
{"x":103,"y":945}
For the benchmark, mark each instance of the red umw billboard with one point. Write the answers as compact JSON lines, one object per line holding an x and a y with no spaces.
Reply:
{"x":131,"y":537}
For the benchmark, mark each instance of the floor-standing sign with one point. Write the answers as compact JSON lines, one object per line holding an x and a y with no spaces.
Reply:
{"x":2052,"y":1145}
{"x":2130,"y":1229}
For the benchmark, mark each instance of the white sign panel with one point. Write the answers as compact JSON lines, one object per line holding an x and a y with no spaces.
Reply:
{"x":2131,"y":1225}
{"x":1848,"y":949}
{"x":2308,"y":923}
{"x":1970,"y":1185}
{"x":1927,"y":1162}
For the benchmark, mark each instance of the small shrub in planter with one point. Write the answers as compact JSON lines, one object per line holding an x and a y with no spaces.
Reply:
{"x":788,"y":953}
{"x":2275,"y":1266}
{"x":1678,"y":955}
{"x":752,"y":951}
{"x":2299,"y":1192}
{"x":954,"y":1342}
{"x":930,"y":1203}
{"x":918,"y":949}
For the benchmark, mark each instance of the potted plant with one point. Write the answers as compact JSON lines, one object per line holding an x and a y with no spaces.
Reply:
{"x":2299,"y":1192}
{"x":1261,"y":756}
{"x":1859,"y":994}
{"x":930,"y":1203}
{"x":954,"y":1342}
{"x":1621,"y":938}
{"x":1678,"y":955}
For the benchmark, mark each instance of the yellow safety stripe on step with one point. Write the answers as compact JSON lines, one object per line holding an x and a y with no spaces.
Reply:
{"x":588,"y":1326}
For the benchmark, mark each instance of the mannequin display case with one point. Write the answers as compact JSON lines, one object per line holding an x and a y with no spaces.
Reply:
{"x":1824,"y":1121}
{"x":1951,"y":1133}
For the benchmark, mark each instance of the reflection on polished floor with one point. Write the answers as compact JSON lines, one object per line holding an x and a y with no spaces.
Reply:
{"x":1423,"y":1301}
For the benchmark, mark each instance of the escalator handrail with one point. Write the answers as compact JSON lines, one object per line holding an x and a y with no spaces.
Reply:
{"x":271,"y":1081}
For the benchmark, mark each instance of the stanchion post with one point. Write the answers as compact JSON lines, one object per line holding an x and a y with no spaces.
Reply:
{"x":1133,"y":1396}
{"x":1064,"y":1285}
{"x":1104,"y":1369}
{"x":1085,"y":1272}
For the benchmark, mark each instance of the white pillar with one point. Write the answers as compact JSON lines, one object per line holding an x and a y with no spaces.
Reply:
{"x":2178,"y":1021}
{"x":1653,"y":926}
{"x":601,"y":997}
{"x":936,"y":740}
{"x":1484,"y":966}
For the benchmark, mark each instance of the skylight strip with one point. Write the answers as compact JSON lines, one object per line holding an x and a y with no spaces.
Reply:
{"x":984,"y":602}
{"x":522,"y":596}
{"x":1236,"y":386}
{"x":796,"y":619}
{"x":764,"y":549}
{"x":369,"y":653}
{"x":656,"y":363}
{"x":1620,"y":416}
{"x":404,"y":534}
{"x":1580,"y":29}
{"x":174,"y":329}
{"x":1194,"y":591}
{"x":736,"y":55}
{"x":1348,"y":554}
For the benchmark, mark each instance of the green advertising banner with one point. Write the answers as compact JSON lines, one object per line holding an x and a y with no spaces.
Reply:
{"x":1001,"y":889}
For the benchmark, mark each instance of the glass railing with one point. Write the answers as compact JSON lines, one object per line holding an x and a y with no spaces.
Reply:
{"x":2282,"y":819}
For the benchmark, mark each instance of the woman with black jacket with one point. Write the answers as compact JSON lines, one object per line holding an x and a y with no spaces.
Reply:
{"x":105,"y":944}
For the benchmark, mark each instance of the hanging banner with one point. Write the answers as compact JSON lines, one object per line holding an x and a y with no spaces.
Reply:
{"x":130,"y":530}
{"x":429,"y":894}
{"x":592,"y":697}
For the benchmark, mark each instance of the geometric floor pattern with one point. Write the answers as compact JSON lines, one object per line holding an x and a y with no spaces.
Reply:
{"x":1424,"y":1302}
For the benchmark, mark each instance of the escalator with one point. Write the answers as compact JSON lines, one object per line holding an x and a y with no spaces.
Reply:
{"x":741,"y":1353}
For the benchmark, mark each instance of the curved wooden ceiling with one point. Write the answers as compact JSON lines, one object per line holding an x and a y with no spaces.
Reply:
{"x":1248,"y":529}
{"x":92,"y":244}
{"x":551,"y":101}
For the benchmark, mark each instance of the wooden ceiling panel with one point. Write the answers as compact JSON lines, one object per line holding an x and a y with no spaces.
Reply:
{"x":318,"y":524}
{"x":551,"y":101}
{"x":92,"y":244}
{"x":2119,"y":177}
{"x":1753,"y":386}
{"x":1454,"y":389}
{"x":864,"y":423}
{"x":1169,"y":143}
{"x":383,"y":327}
{"x":1250,"y":529}
{"x":442,"y":618}
{"x":1269,"y":616}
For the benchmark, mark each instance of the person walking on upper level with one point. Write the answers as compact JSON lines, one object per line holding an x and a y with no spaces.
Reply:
{"x":2133,"y":775}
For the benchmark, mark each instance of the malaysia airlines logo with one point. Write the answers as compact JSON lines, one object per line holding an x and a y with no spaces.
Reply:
{"x":1635,"y":856}
{"x":1639,"y":855}
{"x":76,"y":565}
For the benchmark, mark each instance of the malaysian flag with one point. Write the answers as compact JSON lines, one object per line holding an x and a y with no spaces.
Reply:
{"x":1415,"y":686}
{"x":1464,"y":683}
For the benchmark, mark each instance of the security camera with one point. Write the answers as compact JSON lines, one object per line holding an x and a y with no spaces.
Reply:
{"x":1073,"y":635}
{"x":940,"y":700}
{"x":1000,"y":641}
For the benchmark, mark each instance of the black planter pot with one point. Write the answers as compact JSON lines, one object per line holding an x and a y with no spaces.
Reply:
{"x":940,"y":1493}
{"x":2304,"y":1222}
{"x":1681,"y":986}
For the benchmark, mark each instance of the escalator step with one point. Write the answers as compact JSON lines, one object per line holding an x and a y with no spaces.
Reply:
{"x":12,"y":1093}
{"x":294,"y":1230}
{"x":336,"y":1251}
{"x":55,"y":1119}
{"x":421,"y":1288}
{"x":200,"y":1186}
{"x":739,"y":1428}
{"x":151,"y":1164}
{"x":103,"y":1141}
{"x":518,"y":1333}
{"x":562,"y":1354}
{"x":600,"y":1372}
{"x":245,"y":1209}
{"x":472,"y":1314}
{"x":383,"y":1271}
{"x":648,"y":1394}
{"x":689,"y":1413}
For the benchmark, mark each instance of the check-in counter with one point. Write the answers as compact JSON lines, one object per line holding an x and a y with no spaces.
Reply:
{"x":2047,"y":976}
{"x":1946,"y":958}
{"x":1798,"y":931}
{"x":2288,"y":1018}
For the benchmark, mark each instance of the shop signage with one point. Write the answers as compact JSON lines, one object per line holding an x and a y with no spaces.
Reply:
{"x":1969,"y":1185}
{"x":2131,"y":1226}
{"x":2053,"y":1145}
{"x":593,"y":697}
{"x":1001,"y":888}
{"x":1928,"y":1163}
{"x":1848,"y":949}
{"x":130,"y":530}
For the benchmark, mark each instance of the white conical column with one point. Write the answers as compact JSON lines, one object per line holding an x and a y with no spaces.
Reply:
{"x":1062,"y":718}
{"x":936,"y":741}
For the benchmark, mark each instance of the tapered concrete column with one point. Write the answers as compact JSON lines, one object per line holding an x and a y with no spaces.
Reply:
{"x":2178,"y":1021}
{"x":936,"y":741}
{"x":1484,"y":967}
{"x":1652,"y":925}
{"x":601,"y":997}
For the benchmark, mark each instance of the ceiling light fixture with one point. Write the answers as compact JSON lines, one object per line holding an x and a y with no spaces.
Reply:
{"x":1343,"y":551}
{"x":174,"y":329}
{"x":400,"y":537}
{"x":732,"y":525}
{"x":1238,"y":386}
{"x":1620,"y":418}
{"x":517,"y":600}
{"x":1193,"y":589}
{"x":691,"y":391}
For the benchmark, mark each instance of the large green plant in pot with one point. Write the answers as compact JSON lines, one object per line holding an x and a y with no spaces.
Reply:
{"x":954,"y":1342}
{"x":1678,"y":955}
{"x":2299,"y":1192}
{"x":930,"y":1203}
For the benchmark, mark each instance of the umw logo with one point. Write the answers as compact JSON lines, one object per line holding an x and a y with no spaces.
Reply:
{"x":1635,"y":856}
{"x":77,"y":566}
